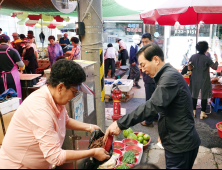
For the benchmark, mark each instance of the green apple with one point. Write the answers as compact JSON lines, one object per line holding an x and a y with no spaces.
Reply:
{"x":146,"y":137}
{"x":140,"y":139}
{"x":140,"y":134}
{"x":145,"y":142}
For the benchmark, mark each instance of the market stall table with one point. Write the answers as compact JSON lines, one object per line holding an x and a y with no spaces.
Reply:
{"x":27,"y":82}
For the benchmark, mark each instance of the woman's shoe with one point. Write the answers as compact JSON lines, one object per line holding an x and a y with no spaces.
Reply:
{"x":203,"y":115}
{"x":194,"y":113}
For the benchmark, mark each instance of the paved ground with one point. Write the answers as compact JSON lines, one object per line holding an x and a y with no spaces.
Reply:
{"x":210,"y":153}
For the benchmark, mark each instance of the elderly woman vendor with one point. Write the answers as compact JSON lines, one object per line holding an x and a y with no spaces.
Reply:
{"x":38,"y":128}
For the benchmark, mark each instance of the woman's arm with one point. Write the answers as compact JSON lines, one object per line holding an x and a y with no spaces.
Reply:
{"x":99,"y":153}
{"x":79,"y":126}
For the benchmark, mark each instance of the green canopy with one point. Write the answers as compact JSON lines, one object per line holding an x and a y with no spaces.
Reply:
{"x":110,"y":8}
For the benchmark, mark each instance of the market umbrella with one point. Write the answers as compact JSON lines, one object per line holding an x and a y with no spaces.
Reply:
{"x":186,"y":12}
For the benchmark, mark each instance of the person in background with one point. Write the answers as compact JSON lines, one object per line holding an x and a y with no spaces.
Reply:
{"x":200,"y":77}
{"x":9,"y":60}
{"x":149,"y":84}
{"x":64,"y":41}
{"x":17,"y":41}
{"x":133,"y":60}
{"x":188,"y":53}
{"x":22,"y":36}
{"x":122,"y":52}
{"x":36,"y":133}
{"x":75,"y":54}
{"x":33,"y":45}
{"x":110,"y":58}
{"x":29,"y":54}
{"x":0,"y":31}
{"x":172,"y":99}
{"x":54,"y":50}
{"x":31,"y":36}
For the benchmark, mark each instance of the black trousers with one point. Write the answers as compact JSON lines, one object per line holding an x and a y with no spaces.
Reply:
{"x":203,"y":104}
{"x":109,"y":62}
{"x":150,"y":88}
{"x":181,"y":160}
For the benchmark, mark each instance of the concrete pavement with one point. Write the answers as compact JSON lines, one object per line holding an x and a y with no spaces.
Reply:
{"x":210,"y":152}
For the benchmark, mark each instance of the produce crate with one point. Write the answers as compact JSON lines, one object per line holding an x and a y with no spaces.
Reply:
{"x":129,"y":96}
{"x":108,"y":87}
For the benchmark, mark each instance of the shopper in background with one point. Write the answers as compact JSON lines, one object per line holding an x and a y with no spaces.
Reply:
{"x":22,"y":36}
{"x":149,"y":84}
{"x":133,"y":60}
{"x":110,"y":55}
{"x":188,"y":53}
{"x":29,"y":55}
{"x":9,"y":74}
{"x":64,"y":41}
{"x":54,"y":50}
{"x":17,"y":41}
{"x":31,"y":36}
{"x":75,"y":54}
{"x":0,"y":31}
{"x":123,"y":53}
{"x":33,"y":45}
{"x":200,"y":77}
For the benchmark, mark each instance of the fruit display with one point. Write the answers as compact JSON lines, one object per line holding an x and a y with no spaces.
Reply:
{"x":140,"y":137}
{"x":129,"y":157}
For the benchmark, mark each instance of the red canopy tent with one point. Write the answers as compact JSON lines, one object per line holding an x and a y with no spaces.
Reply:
{"x":186,"y":12}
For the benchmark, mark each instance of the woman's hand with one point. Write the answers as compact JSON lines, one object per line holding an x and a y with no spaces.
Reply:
{"x":93,"y":128}
{"x":101,"y":154}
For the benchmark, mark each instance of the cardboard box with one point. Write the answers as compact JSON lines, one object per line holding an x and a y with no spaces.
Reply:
{"x":6,"y":118}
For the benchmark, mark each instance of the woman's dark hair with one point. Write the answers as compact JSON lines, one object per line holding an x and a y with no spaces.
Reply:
{"x":3,"y":41}
{"x":75,"y":40}
{"x":68,"y":72}
{"x":202,"y":47}
{"x":51,"y":37}
{"x":151,"y":50}
{"x":109,"y":45}
{"x":22,"y":36}
{"x":0,"y":29}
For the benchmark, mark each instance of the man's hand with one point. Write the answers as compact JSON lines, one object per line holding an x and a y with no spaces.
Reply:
{"x":112,"y":130}
{"x":101,"y":154}
{"x":134,"y":64}
{"x":93,"y":128}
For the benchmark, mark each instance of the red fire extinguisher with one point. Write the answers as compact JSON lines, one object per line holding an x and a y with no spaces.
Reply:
{"x":117,"y":103}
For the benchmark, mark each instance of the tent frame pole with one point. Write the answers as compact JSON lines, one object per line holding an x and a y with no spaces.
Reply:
{"x":42,"y":31}
{"x":197,"y":31}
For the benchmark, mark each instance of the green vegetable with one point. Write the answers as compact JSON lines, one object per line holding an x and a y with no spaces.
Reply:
{"x":123,"y":166}
{"x":129,"y":157}
{"x":130,"y":130}
{"x":132,"y":136}
{"x":126,"y":133}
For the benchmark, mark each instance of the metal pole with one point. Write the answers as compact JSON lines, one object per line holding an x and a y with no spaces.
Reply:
{"x":197,"y":31}
{"x":92,"y":45}
{"x":42,"y":31}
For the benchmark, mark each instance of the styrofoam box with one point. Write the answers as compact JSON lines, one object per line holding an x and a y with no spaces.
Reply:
{"x":10,"y":105}
{"x":128,"y":84}
{"x":108,"y":87}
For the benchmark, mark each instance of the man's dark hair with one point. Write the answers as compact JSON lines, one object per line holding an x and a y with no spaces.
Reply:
{"x":150,"y":50}
{"x":147,"y":35}
{"x":110,"y":45}
{"x":22,"y":36}
{"x":51,"y":37}
{"x":0,"y":29}
{"x":202,"y":47}
{"x":75,"y":40}
{"x":68,"y":72}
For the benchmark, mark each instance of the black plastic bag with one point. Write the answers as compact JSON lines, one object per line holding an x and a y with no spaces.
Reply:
{"x":92,"y":163}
